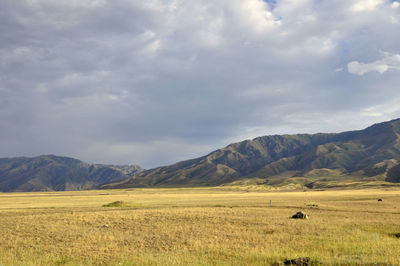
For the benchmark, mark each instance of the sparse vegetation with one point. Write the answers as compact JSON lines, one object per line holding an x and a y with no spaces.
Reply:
{"x":198,"y":226}
{"x":117,"y":203}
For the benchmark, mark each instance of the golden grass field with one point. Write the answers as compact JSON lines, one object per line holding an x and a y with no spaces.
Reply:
{"x":199,"y":226}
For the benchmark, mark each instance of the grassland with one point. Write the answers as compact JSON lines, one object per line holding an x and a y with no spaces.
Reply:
{"x":199,"y":226}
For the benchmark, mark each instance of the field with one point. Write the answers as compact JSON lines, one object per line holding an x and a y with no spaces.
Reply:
{"x":199,"y":226}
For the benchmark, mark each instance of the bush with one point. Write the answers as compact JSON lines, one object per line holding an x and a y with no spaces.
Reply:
{"x":115,"y":204}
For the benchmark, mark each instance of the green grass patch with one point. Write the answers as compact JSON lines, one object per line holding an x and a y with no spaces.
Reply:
{"x":121,"y":204}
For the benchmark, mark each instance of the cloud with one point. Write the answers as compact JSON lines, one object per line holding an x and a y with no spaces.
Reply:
{"x":153,"y":82}
{"x":366,"y":5}
{"x":389,"y":61}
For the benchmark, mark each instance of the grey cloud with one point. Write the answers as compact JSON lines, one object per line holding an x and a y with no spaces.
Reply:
{"x":153,"y":82}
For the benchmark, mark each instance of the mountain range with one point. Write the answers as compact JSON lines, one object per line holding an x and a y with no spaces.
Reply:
{"x":303,"y":161}
{"x":49,"y":173}
{"x":306,"y":160}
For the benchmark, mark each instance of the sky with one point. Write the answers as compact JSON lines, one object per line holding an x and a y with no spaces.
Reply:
{"x":158,"y":81}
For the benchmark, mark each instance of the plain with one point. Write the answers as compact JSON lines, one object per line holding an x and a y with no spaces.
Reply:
{"x":199,"y":226}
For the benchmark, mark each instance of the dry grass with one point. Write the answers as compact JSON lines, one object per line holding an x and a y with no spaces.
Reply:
{"x":202,"y":226}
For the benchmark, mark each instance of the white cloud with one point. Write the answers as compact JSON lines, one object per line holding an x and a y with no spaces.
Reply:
{"x":256,"y":14}
{"x":357,"y":68}
{"x":366,"y":5}
{"x":389,"y":61}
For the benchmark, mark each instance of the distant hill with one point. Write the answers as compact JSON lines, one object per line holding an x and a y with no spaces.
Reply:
{"x":317,"y":160}
{"x":49,"y":172}
{"x":313,"y":161}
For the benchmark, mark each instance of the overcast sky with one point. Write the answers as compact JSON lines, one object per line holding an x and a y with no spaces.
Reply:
{"x":157,"y":81}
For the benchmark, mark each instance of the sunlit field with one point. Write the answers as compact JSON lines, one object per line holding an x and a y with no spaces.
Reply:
{"x":199,"y":226}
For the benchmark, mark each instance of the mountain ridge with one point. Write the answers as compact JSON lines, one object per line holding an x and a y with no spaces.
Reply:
{"x":303,"y":160}
{"x":365,"y":153}
{"x":57,"y":173}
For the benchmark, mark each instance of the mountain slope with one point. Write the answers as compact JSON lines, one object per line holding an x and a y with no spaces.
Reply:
{"x":368,"y":153}
{"x":49,"y":172}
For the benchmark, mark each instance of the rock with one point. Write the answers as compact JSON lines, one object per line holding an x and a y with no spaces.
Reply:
{"x":299,"y":261}
{"x":106,"y":225}
{"x":300,"y":215}
{"x":379,"y":199}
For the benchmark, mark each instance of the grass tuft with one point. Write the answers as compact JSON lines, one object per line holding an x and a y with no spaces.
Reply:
{"x":117,"y":203}
{"x":121,"y":204}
